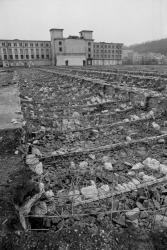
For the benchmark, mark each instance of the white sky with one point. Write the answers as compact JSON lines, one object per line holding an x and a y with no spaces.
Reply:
{"x":126,"y":21}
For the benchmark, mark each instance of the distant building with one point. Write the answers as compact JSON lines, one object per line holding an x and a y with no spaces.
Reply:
{"x":24,"y":53}
{"x":73,"y":50}
{"x":107,"y":53}
{"x":60,"y":51}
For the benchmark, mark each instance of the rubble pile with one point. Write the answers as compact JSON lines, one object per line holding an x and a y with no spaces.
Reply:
{"x":97,"y":157}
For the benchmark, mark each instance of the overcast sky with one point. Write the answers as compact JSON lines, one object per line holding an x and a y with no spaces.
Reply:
{"x":126,"y":21}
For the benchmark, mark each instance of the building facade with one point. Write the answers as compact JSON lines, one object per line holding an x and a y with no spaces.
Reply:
{"x":73,"y":50}
{"x":107,"y":53}
{"x":60,"y":51}
{"x":24,"y":53}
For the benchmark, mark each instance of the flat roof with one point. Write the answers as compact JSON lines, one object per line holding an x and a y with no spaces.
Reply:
{"x":55,"y":29}
{"x":85,"y":31}
{"x":20,"y":40}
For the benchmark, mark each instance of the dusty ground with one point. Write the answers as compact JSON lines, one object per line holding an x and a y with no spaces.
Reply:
{"x":89,"y":232}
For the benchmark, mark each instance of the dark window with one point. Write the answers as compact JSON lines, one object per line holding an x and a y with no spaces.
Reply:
{"x":11,"y":57}
{"x":31,"y":44}
{"x":60,"y":49}
{"x":27,"y":56}
{"x":37,"y":56}
{"x":16,"y":57}
{"x":15,"y":51}
{"x":47,"y":45}
{"x":22,"y":57}
{"x":32,"y":51}
{"x":89,"y":43}
{"x":36,"y":44}
{"x":89,"y":55}
{"x":26,"y":44}
{"x":4,"y":51}
{"x":42,"y":56}
{"x":3,"y":44}
{"x":32,"y":56}
{"x":41,"y":44}
{"x":9,"y":44}
{"x":60,"y":43}
{"x":5,"y":57}
{"x":47,"y":56}
{"x":21,"y":51}
{"x":15,"y":44}
{"x":21,"y":44}
{"x":89,"y":49}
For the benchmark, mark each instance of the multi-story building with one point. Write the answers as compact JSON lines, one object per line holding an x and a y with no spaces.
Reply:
{"x":107,"y":53}
{"x":73,"y":50}
{"x":24,"y":53}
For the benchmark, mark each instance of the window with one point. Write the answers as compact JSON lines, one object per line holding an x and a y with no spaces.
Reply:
{"x":15,"y":51}
{"x":3,"y":44}
{"x":47,"y":45}
{"x":21,"y":45}
{"x":32,"y":51}
{"x":36,"y":44}
{"x":60,"y":43}
{"x":31,"y":44}
{"x":21,"y":51}
{"x":37,"y":56}
{"x":60,"y":49}
{"x":89,"y":55}
{"x":32,"y":56}
{"x":41,"y":44}
{"x":89,"y":43}
{"x":109,"y":46}
{"x":47,"y":56}
{"x":11,"y":57}
{"x":16,"y":57}
{"x":101,"y":51}
{"x":47,"y":51}
{"x":22,"y":57}
{"x":9,"y":44}
{"x":4,"y":51}
{"x":10,"y":51}
{"x":15,"y":44}
{"x":26,"y":44}
{"x":42,"y":56}
{"x":89,"y":49}
{"x":5,"y":57}
{"x":37,"y":51}
{"x":26,"y":50}
{"x":27,"y":56}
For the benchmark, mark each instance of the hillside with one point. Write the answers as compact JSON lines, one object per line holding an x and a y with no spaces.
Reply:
{"x":158,"y":46}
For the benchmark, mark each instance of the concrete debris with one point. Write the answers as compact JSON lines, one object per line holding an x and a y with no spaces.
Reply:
{"x":160,"y":221}
{"x":49,"y":195}
{"x":108,"y":166}
{"x":34,"y":164}
{"x":90,"y":192}
{"x":103,"y":190}
{"x":137,"y":166}
{"x":156,"y":126}
{"x":152,"y":163}
{"x":163,"y":169}
{"x":75,"y":196}
{"x":40,"y":209}
{"x":133,"y":214}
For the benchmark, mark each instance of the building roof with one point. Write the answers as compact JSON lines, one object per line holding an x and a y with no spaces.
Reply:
{"x":55,"y":29}
{"x":20,"y":40}
{"x":85,"y":31}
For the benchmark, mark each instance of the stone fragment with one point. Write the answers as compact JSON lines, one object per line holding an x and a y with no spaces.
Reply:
{"x":108,"y":166}
{"x":36,"y":151}
{"x":148,"y":178}
{"x":49,"y":195}
{"x":83,"y":164}
{"x":92,"y":156}
{"x":139,"y":205}
{"x":103,"y":190}
{"x":40,"y":208}
{"x":136,"y":182}
{"x":138,"y":166}
{"x":143,"y":214}
{"x":163,"y":169}
{"x":131,"y":185}
{"x":74,"y":195}
{"x":131,"y":173}
{"x":152,"y":163}
{"x":128,"y":138}
{"x":156,"y":126}
{"x":90,"y":192}
{"x":133,"y":214}
{"x":38,"y":168}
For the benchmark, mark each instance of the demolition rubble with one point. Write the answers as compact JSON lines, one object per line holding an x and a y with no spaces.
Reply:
{"x":95,"y":143}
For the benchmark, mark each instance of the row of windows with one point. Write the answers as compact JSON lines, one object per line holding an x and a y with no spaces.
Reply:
{"x":107,"y":56}
{"x":108,"y":51}
{"x":11,"y":57}
{"x":25,"y":50}
{"x":37,"y":44}
{"x":107,"y":46}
